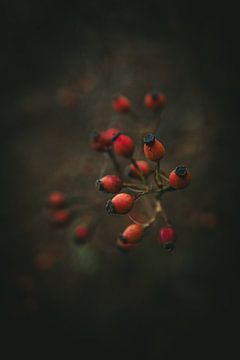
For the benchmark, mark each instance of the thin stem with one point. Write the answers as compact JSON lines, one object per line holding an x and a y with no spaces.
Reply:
{"x":162,"y":212}
{"x":135,"y":186}
{"x":157,"y":176}
{"x":114,"y":161}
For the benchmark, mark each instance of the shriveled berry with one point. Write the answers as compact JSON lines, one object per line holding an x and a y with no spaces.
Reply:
{"x":120,"y":204}
{"x":153,"y":148}
{"x":123,"y":145}
{"x":110,"y":184}
{"x":167,"y":238}
{"x":180,"y":177}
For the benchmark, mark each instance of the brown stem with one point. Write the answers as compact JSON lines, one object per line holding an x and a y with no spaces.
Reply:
{"x":162,"y":212}
{"x":157,"y":176}
{"x":135,"y":186}
{"x":115,"y":162}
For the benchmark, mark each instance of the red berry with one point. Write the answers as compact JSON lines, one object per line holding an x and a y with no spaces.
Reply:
{"x":121,"y":104}
{"x":124,"y":246}
{"x":61,"y":217}
{"x":123,"y":145}
{"x":97,"y":141}
{"x":180,"y":177}
{"x":132,"y":234}
{"x":143,"y":166}
{"x":155,"y":100}
{"x":120,"y":204}
{"x":110,"y":184}
{"x":56,"y":198}
{"x":153,"y":148}
{"x":82,"y":231}
{"x":108,"y":135}
{"x":167,"y":238}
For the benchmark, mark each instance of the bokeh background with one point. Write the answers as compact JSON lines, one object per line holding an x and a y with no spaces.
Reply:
{"x":62,"y":62}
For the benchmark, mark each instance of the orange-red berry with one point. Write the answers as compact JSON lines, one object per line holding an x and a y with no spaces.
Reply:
{"x":121,"y":104}
{"x":180,"y":177}
{"x":167,"y":238}
{"x":108,"y":135}
{"x":56,"y":199}
{"x":61,"y":217}
{"x":153,"y":148}
{"x":120,"y":204}
{"x":125,"y":246}
{"x":132,"y":234}
{"x":123,"y":145}
{"x":143,"y":166}
{"x":110,"y":184}
{"x":155,"y":100}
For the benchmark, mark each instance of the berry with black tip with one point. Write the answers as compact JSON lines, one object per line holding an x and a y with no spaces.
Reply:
{"x":110,"y":184}
{"x":132,"y":234}
{"x":108,"y":135}
{"x":180,"y":177}
{"x":153,"y":148}
{"x":120,"y":204}
{"x":167,"y":238}
{"x":97,"y":141}
{"x":125,"y":246}
{"x":155,"y":100}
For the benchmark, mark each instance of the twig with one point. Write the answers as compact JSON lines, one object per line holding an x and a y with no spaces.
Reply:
{"x":114,"y":161}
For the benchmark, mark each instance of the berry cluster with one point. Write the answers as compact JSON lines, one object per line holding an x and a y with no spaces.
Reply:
{"x":117,"y":144}
{"x":128,"y":185}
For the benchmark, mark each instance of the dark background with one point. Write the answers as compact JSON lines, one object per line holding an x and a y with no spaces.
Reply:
{"x":141,"y":303}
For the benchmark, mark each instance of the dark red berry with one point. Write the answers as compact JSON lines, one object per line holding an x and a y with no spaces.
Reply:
{"x":167,"y":238}
{"x":61,"y":217}
{"x":82,"y":231}
{"x":97,"y":141}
